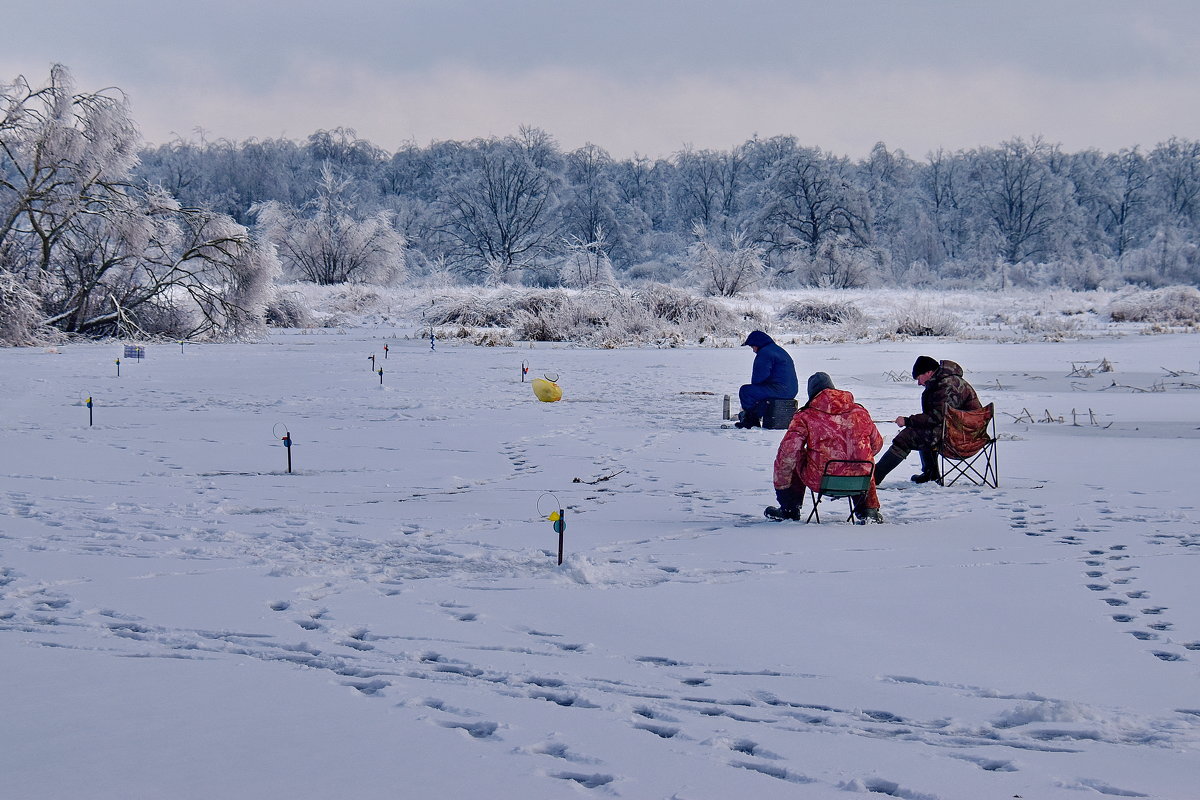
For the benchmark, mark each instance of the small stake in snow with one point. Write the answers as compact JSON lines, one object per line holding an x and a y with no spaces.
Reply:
{"x":385,"y":351}
{"x":118,"y":367}
{"x":287,"y":445}
{"x":560,"y":525}
{"x":381,"y":376}
{"x":559,"y":520}
{"x":431,"y":339}
{"x":371,"y":358}
{"x":89,"y":405}
{"x":287,"y":441}
{"x":524,"y":371}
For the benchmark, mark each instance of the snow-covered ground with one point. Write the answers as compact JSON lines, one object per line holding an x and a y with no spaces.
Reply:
{"x":182,"y":618}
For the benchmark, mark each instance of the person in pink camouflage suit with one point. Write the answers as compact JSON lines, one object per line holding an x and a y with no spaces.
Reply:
{"x":830,"y":426}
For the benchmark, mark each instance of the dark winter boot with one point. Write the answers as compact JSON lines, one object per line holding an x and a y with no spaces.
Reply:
{"x":867,"y":515}
{"x":890,"y":460}
{"x":747,"y":420}
{"x":775,"y":512}
{"x":929,"y":467}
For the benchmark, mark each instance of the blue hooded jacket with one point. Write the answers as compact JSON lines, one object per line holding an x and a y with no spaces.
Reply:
{"x":773,"y":367}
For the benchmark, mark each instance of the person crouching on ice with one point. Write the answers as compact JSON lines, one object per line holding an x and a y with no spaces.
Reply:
{"x":773,"y":377}
{"x":830,"y":426}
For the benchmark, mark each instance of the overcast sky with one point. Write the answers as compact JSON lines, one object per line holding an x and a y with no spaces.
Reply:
{"x":633,"y":76}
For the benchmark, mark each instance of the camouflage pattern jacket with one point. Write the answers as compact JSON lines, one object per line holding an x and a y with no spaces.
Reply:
{"x":946,"y":389}
{"x":831,"y":426}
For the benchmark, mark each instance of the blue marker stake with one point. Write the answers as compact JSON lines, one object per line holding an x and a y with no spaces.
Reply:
{"x":560,"y":526}
{"x":381,"y":376}
{"x":89,"y":405}
{"x":287,"y":444}
{"x":118,"y":367}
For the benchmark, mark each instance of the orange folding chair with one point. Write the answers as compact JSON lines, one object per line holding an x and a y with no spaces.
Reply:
{"x":968,"y":447}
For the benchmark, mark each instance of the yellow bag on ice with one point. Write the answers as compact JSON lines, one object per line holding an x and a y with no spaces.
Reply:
{"x":547,"y":391}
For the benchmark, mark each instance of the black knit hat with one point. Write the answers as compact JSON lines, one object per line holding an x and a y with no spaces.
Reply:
{"x":817,"y":383}
{"x":924,"y":364}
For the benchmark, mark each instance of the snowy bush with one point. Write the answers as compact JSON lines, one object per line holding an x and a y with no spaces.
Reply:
{"x":820,"y":312}
{"x":925,"y":321}
{"x":1048,"y":325}
{"x":1172,"y":305}
{"x":682,"y":307}
{"x":476,"y":309}
{"x":288,"y":310}
{"x":495,"y":308}
{"x":605,"y":316}
{"x":652,"y":271}
{"x":352,"y":299}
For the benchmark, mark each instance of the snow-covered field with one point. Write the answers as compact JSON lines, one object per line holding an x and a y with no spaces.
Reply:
{"x":182,"y":618}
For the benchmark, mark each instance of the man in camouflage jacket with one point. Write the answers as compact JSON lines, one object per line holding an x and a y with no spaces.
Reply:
{"x":944,"y":387}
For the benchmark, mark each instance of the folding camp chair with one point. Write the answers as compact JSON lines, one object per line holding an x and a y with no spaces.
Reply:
{"x":968,"y":447}
{"x":848,"y":486}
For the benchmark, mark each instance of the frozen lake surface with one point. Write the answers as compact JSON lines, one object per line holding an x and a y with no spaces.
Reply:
{"x":181,"y":617}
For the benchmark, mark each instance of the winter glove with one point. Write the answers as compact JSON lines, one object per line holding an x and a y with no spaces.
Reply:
{"x":789,"y":499}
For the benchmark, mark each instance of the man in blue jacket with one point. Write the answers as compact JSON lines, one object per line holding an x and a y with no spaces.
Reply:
{"x":773,"y":377}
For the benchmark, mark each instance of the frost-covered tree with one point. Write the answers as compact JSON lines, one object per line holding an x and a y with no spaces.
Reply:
{"x":705,"y":187}
{"x":105,"y":256}
{"x":1023,"y":200}
{"x":1176,"y":174}
{"x":943,"y":194}
{"x":499,"y":213}
{"x":586,"y":263}
{"x":62,"y":156}
{"x":501,"y":209}
{"x":20,"y":311}
{"x":809,"y":198}
{"x":899,"y":224}
{"x":325,"y":243}
{"x":1113,"y":195}
{"x":1169,"y":257}
{"x":722,"y":270}
{"x":591,"y":203}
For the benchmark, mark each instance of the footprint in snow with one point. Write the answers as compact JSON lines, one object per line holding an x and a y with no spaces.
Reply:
{"x":592,"y":781}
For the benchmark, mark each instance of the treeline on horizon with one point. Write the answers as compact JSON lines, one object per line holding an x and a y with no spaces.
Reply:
{"x":102,"y":235}
{"x":514,"y":209}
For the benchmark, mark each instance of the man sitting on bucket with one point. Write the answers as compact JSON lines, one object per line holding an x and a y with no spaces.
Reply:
{"x":772,"y":378}
{"x":944,"y":387}
{"x":830,"y":426}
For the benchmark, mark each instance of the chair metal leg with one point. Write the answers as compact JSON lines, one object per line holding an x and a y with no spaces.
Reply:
{"x":987,"y":475}
{"x":816,"y":498}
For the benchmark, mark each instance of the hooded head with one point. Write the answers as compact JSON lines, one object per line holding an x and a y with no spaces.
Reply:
{"x":924,"y":364}
{"x":757,"y":339}
{"x":817,"y":383}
